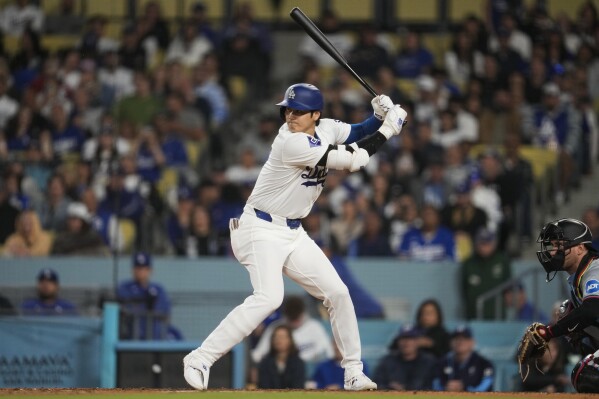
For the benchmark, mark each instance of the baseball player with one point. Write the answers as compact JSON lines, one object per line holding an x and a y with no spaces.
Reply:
{"x":268,"y":238}
{"x":566,"y":245}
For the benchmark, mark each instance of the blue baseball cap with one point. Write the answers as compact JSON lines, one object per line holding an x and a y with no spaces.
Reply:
{"x":462,"y":331}
{"x":141,"y":259}
{"x":47,"y":274}
{"x":409,"y":331}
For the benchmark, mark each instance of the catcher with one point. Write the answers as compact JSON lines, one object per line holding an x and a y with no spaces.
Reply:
{"x":566,"y":245}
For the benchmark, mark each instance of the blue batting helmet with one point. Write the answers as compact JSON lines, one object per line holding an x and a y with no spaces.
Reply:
{"x":304,"y":97}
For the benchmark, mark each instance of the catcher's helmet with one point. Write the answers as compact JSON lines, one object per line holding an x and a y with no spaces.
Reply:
{"x":302,"y":96}
{"x":585,"y":375}
{"x":558,"y":236}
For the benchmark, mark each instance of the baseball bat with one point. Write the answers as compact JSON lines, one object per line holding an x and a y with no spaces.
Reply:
{"x":324,"y":43}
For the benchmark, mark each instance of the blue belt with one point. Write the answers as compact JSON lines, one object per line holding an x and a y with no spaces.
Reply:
{"x":291,"y":223}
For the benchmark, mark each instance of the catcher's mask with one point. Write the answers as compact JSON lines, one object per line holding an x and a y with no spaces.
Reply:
{"x":556,"y":238}
{"x":585,"y":375}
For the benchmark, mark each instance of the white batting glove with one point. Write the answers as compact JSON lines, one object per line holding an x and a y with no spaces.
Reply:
{"x":394,"y":121}
{"x":381,"y":105}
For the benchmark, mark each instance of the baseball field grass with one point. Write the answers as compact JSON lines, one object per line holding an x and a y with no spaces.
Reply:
{"x":299,"y":394}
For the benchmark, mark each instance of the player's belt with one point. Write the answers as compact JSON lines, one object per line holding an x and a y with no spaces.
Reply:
{"x":291,"y":223}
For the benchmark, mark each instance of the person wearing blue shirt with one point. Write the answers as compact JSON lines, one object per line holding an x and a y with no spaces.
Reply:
{"x":47,"y":302}
{"x":519,"y":307}
{"x":413,"y":59}
{"x":464,"y":369}
{"x":145,"y":304}
{"x":431,"y":242}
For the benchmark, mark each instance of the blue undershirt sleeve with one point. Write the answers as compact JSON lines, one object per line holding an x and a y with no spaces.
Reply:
{"x":360,"y":130}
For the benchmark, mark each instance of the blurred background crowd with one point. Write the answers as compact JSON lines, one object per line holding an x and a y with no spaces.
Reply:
{"x":148,"y":133}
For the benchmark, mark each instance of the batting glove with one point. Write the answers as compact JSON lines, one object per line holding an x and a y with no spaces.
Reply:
{"x":394,"y":121}
{"x":381,"y":105}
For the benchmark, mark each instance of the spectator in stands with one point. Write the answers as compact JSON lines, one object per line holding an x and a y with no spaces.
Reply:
{"x":486,"y":198}
{"x":591,"y":218}
{"x":403,"y":215}
{"x":6,"y":307}
{"x":8,"y":106}
{"x":199,"y":16}
{"x":367,"y":57}
{"x":84,"y":115}
{"x":15,"y":183}
{"x":23,"y":131}
{"x":201,"y":239}
{"x":17,"y":17}
{"x":155,"y":24}
{"x":208,"y":88}
{"x":487,"y":268}
{"x":27,"y":62}
{"x":386,"y":83}
{"x":246,"y":170}
{"x":132,"y":53}
{"x":430,"y":242}
{"x":179,"y":221}
{"x":29,"y":239}
{"x":589,"y":145}
{"x":329,"y":25}
{"x":555,"y":126}
{"x":116,"y":80}
{"x":48,"y":302}
{"x":138,"y":109}
{"x":145,"y":304}
{"x":67,"y":139}
{"x":189,"y":47}
{"x":463,"y":61}
{"x":79,"y":236}
{"x":536,"y":78}
{"x":185,"y":119}
{"x":94,"y":41}
{"x":429,"y":321}
{"x":347,"y":227}
{"x":405,"y":368}
{"x":282,"y":367}
{"x":64,"y":19}
{"x":519,"y":307}
{"x":328,"y":374}
{"x":549,"y":374}
{"x":515,"y":38}
{"x":52,"y":210}
{"x":9,"y":212}
{"x":461,"y":215}
{"x":413,"y":59}
{"x":464,"y":369}
{"x":426,"y":107}
{"x":374,"y":240}
{"x":309,"y":335}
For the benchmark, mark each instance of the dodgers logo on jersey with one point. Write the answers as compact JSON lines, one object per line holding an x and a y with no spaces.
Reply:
{"x":592,"y":287}
{"x":315,"y":176}
{"x":313,"y":141}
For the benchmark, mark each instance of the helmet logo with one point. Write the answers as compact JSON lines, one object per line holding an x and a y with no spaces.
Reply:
{"x":291,"y":94}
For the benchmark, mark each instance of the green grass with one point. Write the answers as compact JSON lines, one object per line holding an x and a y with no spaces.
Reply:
{"x":155,"y":394}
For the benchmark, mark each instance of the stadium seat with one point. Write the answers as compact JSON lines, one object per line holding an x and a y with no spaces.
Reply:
{"x":51,"y":6}
{"x":459,"y":9}
{"x":127,"y":232}
{"x":463,"y":247}
{"x":407,"y":87}
{"x":353,"y":10}
{"x":570,"y":7}
{"x":309,"y":7}
{"x":168,"y":179}
{"x":169,"y":8}
{"x":108,"y":8}
{"x":417,"y":11}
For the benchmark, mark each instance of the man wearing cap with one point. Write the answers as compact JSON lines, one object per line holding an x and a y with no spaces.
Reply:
{"x":406,"y":368}
{"x":463,"y":369}
{"x":79,"y":237}
{"x":145,"y":304}
{"x":47,"y":302}
{"x":487,"y":268}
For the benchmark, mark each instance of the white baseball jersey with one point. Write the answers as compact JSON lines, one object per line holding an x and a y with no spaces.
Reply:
{"x":289,"y":182}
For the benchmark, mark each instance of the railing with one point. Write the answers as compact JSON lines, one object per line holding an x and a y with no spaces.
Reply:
{"x":496,"y":293}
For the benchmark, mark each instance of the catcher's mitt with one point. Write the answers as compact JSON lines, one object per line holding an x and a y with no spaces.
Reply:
{"x":532,"y":347}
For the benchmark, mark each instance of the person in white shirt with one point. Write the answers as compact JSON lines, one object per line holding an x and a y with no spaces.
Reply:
{"x":189,"y":47}
{"x":269,"y":240}
{"x":14,"y":18}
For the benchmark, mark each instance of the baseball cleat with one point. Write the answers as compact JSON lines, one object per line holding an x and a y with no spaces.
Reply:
{"x":197,"y":374}
{"x":359,"y":382}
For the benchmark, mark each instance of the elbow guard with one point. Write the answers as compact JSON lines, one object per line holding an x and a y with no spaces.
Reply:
{"x":350,"y":158}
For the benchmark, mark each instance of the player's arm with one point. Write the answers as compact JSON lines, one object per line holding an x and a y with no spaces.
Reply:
{"x":380,"y":105}
{"x":578,"y":319}
{"x":356,"y":155}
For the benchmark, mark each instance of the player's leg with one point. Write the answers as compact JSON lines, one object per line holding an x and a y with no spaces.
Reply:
{"x":263,"y":253}
{"x":316,"y":274}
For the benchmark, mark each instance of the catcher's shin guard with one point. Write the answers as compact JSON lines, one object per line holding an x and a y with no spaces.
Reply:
{"x":585,"y":375}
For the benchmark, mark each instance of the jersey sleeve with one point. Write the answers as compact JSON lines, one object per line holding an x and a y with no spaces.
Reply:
{"x":336,"y":130}
{"x":590,"y":284}
{"x":301,"y":149}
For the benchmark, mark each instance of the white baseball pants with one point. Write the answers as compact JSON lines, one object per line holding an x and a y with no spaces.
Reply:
{"x":267,"y":250}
